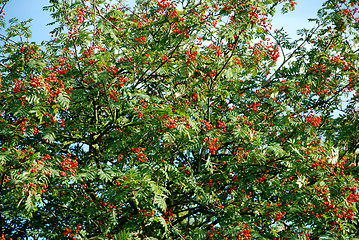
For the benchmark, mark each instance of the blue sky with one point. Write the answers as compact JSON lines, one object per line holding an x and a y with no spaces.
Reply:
{"x":25,"y":9}
{"x":297,"y":19}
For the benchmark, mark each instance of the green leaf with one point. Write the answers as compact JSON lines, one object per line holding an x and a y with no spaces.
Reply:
{"x":49,"y":136}
{"x":63,"y":100}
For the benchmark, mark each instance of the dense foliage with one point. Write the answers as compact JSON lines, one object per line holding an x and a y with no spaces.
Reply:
{"x":183,"y":119}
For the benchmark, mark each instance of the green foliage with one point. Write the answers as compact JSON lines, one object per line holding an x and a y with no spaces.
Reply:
{"x":180,"y":120}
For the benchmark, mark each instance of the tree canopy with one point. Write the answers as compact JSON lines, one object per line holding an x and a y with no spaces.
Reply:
{"x":180,"y":119}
